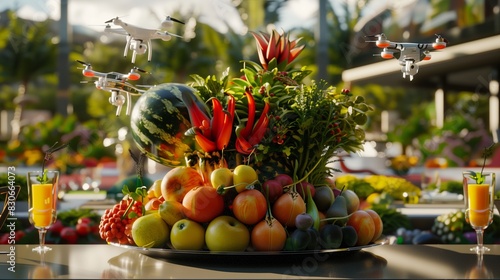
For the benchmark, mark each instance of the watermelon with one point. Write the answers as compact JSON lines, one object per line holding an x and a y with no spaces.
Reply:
{"x":159,"y":120}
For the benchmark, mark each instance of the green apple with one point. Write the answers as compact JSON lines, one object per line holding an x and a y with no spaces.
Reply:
{"x":187,"y":235}
{"x":221,"y":177}
{"x":226,"y":233}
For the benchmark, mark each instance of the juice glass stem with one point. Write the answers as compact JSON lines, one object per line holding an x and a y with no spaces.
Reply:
{"x":480,"y":248}
{"x":41,"y":235}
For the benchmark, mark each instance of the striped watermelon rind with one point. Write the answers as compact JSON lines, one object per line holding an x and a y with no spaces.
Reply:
{"x":158,"y":122}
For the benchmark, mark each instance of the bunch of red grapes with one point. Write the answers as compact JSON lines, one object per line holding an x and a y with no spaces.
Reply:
{"x":116,"y":223}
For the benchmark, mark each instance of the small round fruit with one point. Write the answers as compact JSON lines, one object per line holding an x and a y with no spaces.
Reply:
{"x":226,"y":233}
{"x":82,"y":229}
{"x":221,"y":177}
{"x":304,"y":221}
{"x":379,"y":225}
{"x":299,"y":240}
{"x":349,"y":236}
{"x":178,"y":181}
{"x":284,"y":179}
{"x":150,"y":231}
{"x":171,"y":211}
{"x":187,"y":235}
{"x":287,"y":207}
{"x":273,"y":189}
{"x":352,"y":200}
{"x":250,"y":207}
{"x":244,"y":175}
{"x":330,"y":236}
{"x":323,"y":198}
{"x":268,"y":235}
{"x":364,"y":225}
{"x":202,"y":204}
{"x":302,"y":189}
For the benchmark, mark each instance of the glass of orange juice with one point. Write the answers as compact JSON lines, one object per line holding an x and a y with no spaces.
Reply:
{"x":42,"y":200}
{"x":479,"y":204}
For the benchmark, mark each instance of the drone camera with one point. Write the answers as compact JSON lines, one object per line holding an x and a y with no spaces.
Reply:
{"x":116,"y":99}
{"x":138,"y":47}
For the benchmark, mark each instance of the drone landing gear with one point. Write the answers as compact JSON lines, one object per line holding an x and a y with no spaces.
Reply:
{"x":117,"y":100}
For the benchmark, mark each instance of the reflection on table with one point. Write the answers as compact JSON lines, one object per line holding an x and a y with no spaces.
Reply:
{"x":384,"y":261}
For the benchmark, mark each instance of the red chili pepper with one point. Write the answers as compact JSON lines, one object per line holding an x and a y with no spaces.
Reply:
{"x":245,"y":144}
{"x":251,"y":114}
{"x":217,"y":118}
{"x":224,"y":135}
{"x":211,"y":134}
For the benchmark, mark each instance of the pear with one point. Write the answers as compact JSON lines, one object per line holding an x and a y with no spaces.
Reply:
{"x":338,"y":209}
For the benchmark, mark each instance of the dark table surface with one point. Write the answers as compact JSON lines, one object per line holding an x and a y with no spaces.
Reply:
{"x":382,"y":261}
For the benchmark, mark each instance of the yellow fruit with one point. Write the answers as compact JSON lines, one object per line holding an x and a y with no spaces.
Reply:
{"x":171,"y":212}
{"x":157,"y":188}
{"x":244,"y":175}
{"x":373,"y":198}
{"x":221,"y":176}
{"x":150,"y":231}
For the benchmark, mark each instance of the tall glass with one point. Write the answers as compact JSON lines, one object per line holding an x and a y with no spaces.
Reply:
{"x":479,"y":205}
{"x":42,"y":202}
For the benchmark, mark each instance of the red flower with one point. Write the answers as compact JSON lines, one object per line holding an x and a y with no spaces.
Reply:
{"x":211,"y":134}
{"x":276,"y":46}
{"x":250,"y":135}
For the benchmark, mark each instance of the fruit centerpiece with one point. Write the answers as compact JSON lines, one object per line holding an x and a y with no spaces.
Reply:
{"x":249,"y":160}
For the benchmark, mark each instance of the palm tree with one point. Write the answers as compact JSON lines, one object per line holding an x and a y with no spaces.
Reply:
{"x":27,"y":53}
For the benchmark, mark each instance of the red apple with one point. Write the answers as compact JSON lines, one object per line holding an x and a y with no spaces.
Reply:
{"x":302,"y":189}
{"x":202,"y":204}
{"x":178,"y":181}
{"x":364,"y":226}
{"x":284,"y":179}
{"x":273,"y":189}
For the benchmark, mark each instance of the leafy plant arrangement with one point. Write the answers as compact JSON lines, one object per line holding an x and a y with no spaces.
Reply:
{"x":479,"y":177}
{"x":280,"y":123}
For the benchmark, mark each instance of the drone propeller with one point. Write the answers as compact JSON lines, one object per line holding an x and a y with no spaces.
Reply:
{"x":83,"y":63}
{"x":111,"y":20}
{"x":174,"y":19}
{"x":378,"y":36}
{"x":140,"y":70}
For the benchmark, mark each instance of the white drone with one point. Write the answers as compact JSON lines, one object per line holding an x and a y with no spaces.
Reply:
{"x":116,"y":83}
{"x":408,"y":54}
{"x":138,"y":38}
